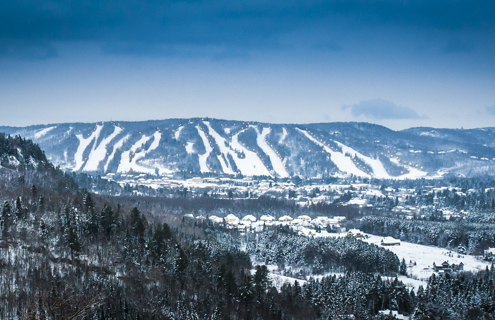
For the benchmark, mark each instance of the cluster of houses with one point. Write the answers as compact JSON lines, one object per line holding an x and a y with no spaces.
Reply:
{"x":251,"y":223}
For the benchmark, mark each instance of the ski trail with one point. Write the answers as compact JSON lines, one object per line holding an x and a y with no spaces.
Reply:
{"x":224,"y":150}
{"x":116,"y":146}
{"x":99,"y":153}
{"x":202,"y":158}
{"x":83,"y":144}
{"x":277,"y":163}
{"x":342,"y":162}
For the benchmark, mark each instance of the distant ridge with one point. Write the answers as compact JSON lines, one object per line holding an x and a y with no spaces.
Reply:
{"x":206,"y":146}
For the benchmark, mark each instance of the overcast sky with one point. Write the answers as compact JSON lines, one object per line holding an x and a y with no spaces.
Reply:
{"x":396,"y":63}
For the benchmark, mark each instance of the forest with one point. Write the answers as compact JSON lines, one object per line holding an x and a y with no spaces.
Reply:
{"x":67,"y":253}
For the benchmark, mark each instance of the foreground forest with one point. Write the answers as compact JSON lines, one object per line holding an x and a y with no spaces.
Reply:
{"x":66,"y":253}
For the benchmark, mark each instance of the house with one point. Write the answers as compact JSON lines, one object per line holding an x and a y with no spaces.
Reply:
{"x":446,"y":267}
{"x":389,"y":241}
{"x":285,"y":219}
{"x":304,"y":218}
{"x":231,"y":219}
{"x":356,"y":233}
{"x":267,"y":218}
{"x":249,"y":218}
{"x":216,"y":219}
{"x":489,"y":254}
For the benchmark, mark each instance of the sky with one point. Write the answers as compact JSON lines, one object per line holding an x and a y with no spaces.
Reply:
{"x":395,"y":63}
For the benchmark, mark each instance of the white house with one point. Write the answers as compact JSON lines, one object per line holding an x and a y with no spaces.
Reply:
{"x":231,"y":219}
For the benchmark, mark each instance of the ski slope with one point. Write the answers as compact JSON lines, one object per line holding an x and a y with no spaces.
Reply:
{"x":42,"y":132}
{"x":224,"y":150}
{"x":177,"y":133}
{"x":204,"y":157}
{"x":190,"y":147}
{"x":284,"y":135}
{"x":277,"y":163}
{"x":251,"y":164}
{"x":83,"y":144}
{"x":413,"y":172}
{"x":99,"y":153}
{"x":375,"y":164}
{"x":116,"y":147}
{"x":338,"y":158}
{"x":130,"y":157}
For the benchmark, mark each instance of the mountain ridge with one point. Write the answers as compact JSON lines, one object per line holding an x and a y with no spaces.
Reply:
{"x":209,"y":146}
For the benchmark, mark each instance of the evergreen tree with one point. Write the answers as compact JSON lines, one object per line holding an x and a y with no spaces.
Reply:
{"x":6,"y":219}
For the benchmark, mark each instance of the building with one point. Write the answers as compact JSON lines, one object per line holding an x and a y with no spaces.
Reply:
{"x":389,"y":241}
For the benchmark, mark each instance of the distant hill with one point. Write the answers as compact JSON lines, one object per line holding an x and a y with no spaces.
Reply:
{"x":224,"y":147}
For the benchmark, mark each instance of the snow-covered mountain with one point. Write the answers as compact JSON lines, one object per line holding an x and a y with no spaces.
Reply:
{"x":213,"y":146}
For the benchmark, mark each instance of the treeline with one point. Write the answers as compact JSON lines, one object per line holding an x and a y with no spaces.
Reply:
{"x":81,"y":261}
{"x":474,"y":237}
{"x":284,"y":248}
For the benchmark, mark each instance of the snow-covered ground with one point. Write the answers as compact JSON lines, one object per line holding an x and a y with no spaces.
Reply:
{"x":130,"y":158}
{"x":277,"y":163}
{"x":342,"y":162}
{"x":375,"y":164}
{"x":42,"y":132}
{"x":225,"y":151}
{"x":251,"y":164}
{"x":203,"y":157}
{"x":190,"y":147}
{"x":98,"y":153}
{"x":116,"y":147}
{"x":425,"y":256}
{"x":284,"y":135}
{"x":83,"y":144}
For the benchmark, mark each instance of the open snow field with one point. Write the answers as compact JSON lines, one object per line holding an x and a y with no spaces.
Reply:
{"x":425,"y":256}
{"x":419,"y":258}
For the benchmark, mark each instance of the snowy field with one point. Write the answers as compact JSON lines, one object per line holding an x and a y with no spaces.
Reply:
{"x":425,"y":256}
{"x":419,"y":259}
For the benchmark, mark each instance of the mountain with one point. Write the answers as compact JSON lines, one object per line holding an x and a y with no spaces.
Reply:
{"x":223,"y":147}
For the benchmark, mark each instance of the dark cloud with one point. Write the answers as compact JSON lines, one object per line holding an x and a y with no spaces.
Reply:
{"x":380,"y":109}
{"x":153,"y":27}
{"x":491,"y":109}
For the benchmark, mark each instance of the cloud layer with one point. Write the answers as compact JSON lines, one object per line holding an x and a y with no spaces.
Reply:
{"x":157,"y":27}
{"x":380,"y":109}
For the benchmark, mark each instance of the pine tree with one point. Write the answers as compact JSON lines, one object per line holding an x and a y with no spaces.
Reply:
{"x":6,"y":219}
{"x":72,"y":241}
{"x":403,"y":267}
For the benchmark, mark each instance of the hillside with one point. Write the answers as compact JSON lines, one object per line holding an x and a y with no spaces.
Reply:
{"x":223,"y":147}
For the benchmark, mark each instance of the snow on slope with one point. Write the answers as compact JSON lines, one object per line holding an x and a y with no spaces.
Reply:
{"x":99,"y":153}
{"x":41,"y":133}
{"x":413,"y":172}
{"x":116,"y":146}
{"x":83,"y":144}
{"x":284,"y":135}
{"x":177,"y":133}
{"x":338,"y":158}
{"x":129,"y":158}
{"x":224,"y":150}
{"x":277,"y":163}
{"x":190,"y":147}
{"x":375,"y":164}
{"x":250,"y":165}
{"x":202,"y":158}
